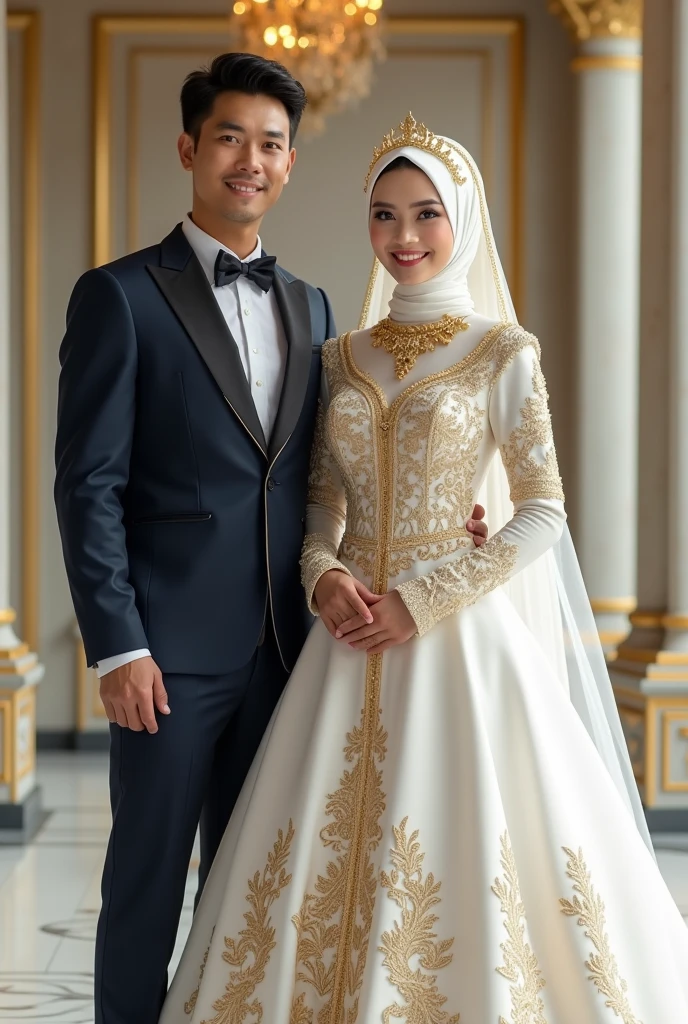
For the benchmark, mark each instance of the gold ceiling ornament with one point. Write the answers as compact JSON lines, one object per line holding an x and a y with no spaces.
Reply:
{"x":595,"y":19}
{"x":408,"y":341}
{"x":412,"y":133}
{"x":330,"y":46}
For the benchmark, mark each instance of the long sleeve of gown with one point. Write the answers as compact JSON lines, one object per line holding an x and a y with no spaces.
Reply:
{"x":520,"y":420}
{"x":325,"y":511}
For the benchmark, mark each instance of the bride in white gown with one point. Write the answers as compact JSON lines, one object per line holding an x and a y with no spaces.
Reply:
{"x":445,"y":829}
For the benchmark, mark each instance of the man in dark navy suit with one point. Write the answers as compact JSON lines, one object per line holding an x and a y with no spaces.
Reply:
{"x":188,"y":392}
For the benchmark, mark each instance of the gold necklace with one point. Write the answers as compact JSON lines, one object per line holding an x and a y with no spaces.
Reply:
{"x":407,"y":341}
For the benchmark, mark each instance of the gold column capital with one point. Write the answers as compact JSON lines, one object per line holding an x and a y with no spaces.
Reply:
{"x":600,"y":19}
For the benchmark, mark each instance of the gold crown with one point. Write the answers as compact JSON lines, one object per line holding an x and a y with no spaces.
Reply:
{"x":412,"y":133}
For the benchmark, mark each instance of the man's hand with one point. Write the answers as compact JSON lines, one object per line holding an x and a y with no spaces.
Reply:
{"x":476,"y":527}
{"x":340,"y":597}
{"x":392,"y":624}
{"x":131,"y":693}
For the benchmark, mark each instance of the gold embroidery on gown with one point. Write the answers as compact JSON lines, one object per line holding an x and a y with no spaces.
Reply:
{"x":414,"y":937}
{"x":190,"y":1005}
{"x":530,"y":462}
{"x":520,"y":966}
{"x":453,"y":586}
{"x":324,"y":933}
{"x":257,"y":939}
{"x":589,"y":908}
{"x":533,"y":478}
{"x":325,"y":488}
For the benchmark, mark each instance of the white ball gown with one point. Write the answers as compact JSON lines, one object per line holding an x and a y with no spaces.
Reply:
{"x":430,"y":835}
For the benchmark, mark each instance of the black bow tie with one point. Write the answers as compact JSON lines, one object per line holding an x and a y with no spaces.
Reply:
{"x":228,"y":268}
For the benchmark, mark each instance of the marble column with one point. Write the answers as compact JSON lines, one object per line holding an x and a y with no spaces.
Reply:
{"x":20,"y":670}
{"x":608,"y":68}
{"x":650,"y":674}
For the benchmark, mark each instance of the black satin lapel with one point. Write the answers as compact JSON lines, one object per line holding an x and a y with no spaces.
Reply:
{"x":190,"y":296}
{"x":292,"y":301}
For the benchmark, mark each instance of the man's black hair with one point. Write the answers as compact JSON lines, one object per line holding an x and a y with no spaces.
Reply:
{"x":239,"y":72}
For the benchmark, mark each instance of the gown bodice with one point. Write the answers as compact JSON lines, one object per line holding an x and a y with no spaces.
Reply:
{"x":393,"y":483}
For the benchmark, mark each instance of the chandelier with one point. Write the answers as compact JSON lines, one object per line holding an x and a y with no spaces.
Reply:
{"x":330,"y":46}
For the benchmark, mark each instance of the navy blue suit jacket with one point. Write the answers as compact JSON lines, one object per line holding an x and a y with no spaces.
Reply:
{"x":181,"y":527}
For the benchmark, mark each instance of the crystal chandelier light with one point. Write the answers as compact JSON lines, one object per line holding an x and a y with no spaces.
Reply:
{"x":329,"y":45}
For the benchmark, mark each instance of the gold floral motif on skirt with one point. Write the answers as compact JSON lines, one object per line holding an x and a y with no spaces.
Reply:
{"x":334,"y":923}
{"x":190,"y":1005}
{"x":251,"y":953}
{"x":520,"y":965}
{"x":414,"y":937}
{"x":589,"y":908}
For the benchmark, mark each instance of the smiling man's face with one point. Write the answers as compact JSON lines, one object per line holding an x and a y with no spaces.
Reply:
{"x":241,"y":159}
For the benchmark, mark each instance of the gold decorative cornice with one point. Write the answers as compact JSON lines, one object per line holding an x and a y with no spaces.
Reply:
{"x":599,"y":19}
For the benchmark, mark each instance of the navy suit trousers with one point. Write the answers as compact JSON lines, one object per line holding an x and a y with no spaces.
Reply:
{"x":161,"y":787}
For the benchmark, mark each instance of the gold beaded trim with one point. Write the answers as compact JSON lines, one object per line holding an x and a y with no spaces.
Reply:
{"x":412,"y":133}
{"x":407,"y":341}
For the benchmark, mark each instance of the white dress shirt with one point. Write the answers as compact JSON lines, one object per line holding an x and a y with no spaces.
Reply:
{"x":255,"y":323}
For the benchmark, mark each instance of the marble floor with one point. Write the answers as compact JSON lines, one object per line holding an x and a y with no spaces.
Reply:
{"x":49,"y":896}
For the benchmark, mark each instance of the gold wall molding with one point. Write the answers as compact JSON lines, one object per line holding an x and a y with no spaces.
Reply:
{"x":613,"y":605}
{"x":608,"y":62}
{"x":600,"y":19}
{"x":28,"y":24}
{"x":669,"y":719}
{"x":107,"y":28}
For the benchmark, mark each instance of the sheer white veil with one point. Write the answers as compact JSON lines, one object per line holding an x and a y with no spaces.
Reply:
{"x":549,"y":595}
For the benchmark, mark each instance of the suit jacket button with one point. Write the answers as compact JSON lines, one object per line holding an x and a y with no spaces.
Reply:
{"x":271,"y":483}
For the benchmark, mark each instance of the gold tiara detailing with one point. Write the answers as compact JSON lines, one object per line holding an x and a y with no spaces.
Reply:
{"x":412,"y":133}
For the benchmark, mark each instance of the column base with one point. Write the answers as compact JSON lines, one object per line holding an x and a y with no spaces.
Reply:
{"x":21,"y":813}
{"x":19,"y":822}
{"x":96,"y":741}
{"x":651,"y":690}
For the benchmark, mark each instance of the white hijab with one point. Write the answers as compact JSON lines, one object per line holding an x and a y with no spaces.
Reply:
{"x":473,"y":279}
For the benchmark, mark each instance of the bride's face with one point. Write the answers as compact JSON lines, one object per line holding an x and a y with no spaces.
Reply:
{"x":409,"y":228}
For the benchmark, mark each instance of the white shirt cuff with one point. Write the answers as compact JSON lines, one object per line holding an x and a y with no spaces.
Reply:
{"x":110,"y":664}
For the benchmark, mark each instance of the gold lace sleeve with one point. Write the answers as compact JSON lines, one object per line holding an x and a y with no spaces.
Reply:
{"x":459,"y":583}
{"x":520,"y":420}
{"x":519,"y":417}
{"x":325,"y":512}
